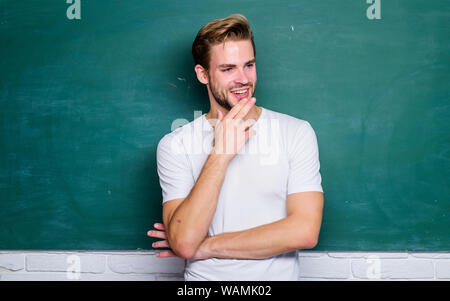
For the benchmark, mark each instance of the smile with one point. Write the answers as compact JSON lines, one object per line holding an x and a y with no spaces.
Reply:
{"x":241,"y":93}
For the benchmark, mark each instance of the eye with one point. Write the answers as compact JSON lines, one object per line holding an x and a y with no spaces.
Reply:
{"x":226,"y":70}
{"x":250,"y":65}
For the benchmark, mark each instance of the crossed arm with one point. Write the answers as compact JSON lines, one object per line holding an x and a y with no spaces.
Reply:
{"x":186,"y":221}
{"x":299,"y":230}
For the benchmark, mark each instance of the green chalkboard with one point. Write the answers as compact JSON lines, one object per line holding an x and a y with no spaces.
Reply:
{"x":84,"y":102}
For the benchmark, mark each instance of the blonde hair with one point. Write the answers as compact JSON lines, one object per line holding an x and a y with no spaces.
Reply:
{"x":234,"y":27}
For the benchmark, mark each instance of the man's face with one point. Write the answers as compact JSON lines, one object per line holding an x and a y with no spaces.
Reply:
{"x":232,"y":72}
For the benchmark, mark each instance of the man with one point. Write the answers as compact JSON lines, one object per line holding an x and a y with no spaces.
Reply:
{"x":241,"y":184}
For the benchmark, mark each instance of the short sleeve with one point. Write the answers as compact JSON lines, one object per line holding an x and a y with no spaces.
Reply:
{"x":304,"y":165}
{"x":174,"y":171}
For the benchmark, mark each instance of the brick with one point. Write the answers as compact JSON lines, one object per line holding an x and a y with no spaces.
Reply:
{"x":20,"y":276}
{"x":145,"y":264}
{"x":170,"y":277}
{"x":89,"y":263}
{"x":48,"y":276}
{"x":303,"y":253}
{"x":315,"y":279}
{"x":117,"y":277}
{"x":443,"y":269}
{"x":367,"y":254}
{"x":393,"y":269}
{"x":367,"y":269}
{"x":432,"y":255}
{"x":12,"y":262}
{"x":347,"y":255}
{"x":324,"y":267}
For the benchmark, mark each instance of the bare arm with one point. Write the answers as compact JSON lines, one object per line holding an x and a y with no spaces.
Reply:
{"x":299,"y":230}
{"x":187,"y":220}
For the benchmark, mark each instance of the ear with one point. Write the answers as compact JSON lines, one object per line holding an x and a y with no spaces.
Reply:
{"x":202,"y":74}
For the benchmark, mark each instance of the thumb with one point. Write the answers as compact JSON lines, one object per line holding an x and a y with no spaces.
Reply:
{"x":220,"y":115}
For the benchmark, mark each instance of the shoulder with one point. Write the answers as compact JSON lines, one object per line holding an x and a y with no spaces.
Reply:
{"x":183,"y":135}
{"x":296,"y":135}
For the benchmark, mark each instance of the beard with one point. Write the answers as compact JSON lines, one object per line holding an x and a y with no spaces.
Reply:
{"x":221,"y":94}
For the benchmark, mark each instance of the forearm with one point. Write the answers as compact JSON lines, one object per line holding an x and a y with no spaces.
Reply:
{"x":190,"y":222}
{"x":286,"y":235}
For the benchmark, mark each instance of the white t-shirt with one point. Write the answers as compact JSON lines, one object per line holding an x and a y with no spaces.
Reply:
{"x":282,"y":158}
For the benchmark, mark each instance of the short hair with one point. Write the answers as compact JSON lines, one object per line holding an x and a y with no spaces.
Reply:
{"x":234,"y":28}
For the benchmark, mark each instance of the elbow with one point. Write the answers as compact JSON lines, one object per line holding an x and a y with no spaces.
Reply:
{"x":184,"y":249}
{"x":183,"y":243}
{"x":308,"y":241}
{"x":311,"y":242}
{"x":308,"y":236}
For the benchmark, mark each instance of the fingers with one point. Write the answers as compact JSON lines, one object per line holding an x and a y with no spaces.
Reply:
{"x":161,"y":244}
{"x":159,"y":226}
{"x":166,"y":254}
{"x":234,"y":110}
{"x":245,"y":108}
{"x":248,"y":123}
{"x":243,"y":104}
{"x":248,"y":131}
{"x":157,"y":234}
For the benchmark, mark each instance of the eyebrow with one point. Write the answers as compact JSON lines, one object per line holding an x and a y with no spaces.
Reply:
{"x":233,"y":65}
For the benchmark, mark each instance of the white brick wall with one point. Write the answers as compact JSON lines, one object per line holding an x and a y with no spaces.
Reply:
{"x":102,"y":266}
{"x":145,"y":266}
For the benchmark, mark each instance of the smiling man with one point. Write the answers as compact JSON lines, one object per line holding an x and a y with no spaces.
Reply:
{"x":241,"y":207}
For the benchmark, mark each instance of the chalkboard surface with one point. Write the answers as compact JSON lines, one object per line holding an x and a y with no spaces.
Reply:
{"x":84,"y":102}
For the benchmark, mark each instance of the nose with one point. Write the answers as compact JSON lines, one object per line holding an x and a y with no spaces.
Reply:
{"x":241,"y":77}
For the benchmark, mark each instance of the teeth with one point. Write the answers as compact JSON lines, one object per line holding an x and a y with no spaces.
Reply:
{"x":240,"y":92}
